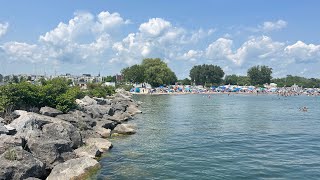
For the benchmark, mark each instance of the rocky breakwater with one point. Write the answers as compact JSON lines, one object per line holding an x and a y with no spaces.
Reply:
{"x":53,"y":145}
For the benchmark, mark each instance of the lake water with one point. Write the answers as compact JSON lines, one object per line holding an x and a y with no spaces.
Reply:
{"x":222,"y":137}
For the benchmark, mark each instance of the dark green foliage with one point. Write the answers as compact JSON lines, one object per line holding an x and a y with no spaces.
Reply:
{"x":56,"y":93}
{"x":97,"y":90}
{"x":1,"y":78}
{"x":185,"y":81}
{"x":124,"y":86}
{"x":109,"y":79}
{"x":231,"y":79}
{"x":259,"y":75}
{"x":206,"y":74}
{"x":300,"y":81}
{"x":153,"y":71}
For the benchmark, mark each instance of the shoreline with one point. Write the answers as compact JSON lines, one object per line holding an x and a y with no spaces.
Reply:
{"x":52,"y":145}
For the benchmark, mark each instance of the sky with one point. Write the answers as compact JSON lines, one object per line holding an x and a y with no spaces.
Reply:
{"x":101,"y":36}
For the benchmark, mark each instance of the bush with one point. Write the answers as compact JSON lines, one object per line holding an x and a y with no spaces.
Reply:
{"x":97,"y":90}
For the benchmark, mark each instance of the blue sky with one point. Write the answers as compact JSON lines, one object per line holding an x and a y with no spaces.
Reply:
{"x":90,"y":36}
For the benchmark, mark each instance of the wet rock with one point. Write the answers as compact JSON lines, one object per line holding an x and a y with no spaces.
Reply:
{"x":101,"y":143}
{"x":133,"y":110}
{"x":17,"y":163}
{"x":73,"y":169}
{"x":48,"y":111}
{"x":120,"y":117}
{"x":124,"y":129}
{"x":104,"y":133}
{"x":107,"y":124}
{"x":91,"y":151}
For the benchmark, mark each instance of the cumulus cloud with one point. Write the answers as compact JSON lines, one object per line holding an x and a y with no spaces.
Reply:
{"x":154,"y":27}
{"x":302,"y":52}
{"x":271,"y":26}
{"x":87,"y":38}
{"x":3,"y":28}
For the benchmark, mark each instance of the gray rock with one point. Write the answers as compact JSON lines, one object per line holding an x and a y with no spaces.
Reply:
{"x":102,"y":101}
{"x":133,"y":110}
{"x":50,"y":151}
{"x":101,"y":143}
{"x":3,"y":129}
{"x":104,"y":133}
{"x":63,"y":130}
{"x":17,"y":163}
{"x":86,"y":101}
{"x":120,"y":117}
{"x":79,"y":119}
{"x":32,"y":120}
{"x":1,"y":120}
{"x":124,"y":129}
{"x":11,"y":130}
{"x":91,"y":151}
{"x":49,"y":111}
{"x":7,"y":142}
{"x":107,"y":124}
{"x":73,"y":169}
{"x":97,"y":111}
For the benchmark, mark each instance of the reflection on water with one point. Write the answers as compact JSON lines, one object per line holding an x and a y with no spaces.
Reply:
{"x":222,"y":137}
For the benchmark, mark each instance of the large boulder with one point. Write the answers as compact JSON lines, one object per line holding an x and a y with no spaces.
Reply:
{"x":102,"y":101}
{"x":74,"y":169}
{"x":91,"y":151}
{"x":97,"y":111}
{"x":63,"y":130}
{"x":104,"y":133}
{"x":3,"y":129}
{"x":125,"y":129}
{"x":31,"y":120}
{"x":17,"y":163}
{"x":86,"y":101}
{"x":50,"y":151}
{"x":7,"y":142}
{"x":49,"y":111}
{"x":101,"y":143}
{"x":133,"y":110}
{"x":107,"y":124}
{"x":79,"y":119}
{"x":120,"y":117}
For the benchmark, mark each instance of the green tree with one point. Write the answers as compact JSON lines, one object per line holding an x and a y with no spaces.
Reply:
{"x":259,"y":75}
{"x":1,"y":78}
{"x":134,"y":74}
{"x":109,"y":79}
{"x":153,"y":71}
{"x":157,"y":72}
{"x":231,"y":79}
{"x":185,"y":81}
{"x":206,"y":74}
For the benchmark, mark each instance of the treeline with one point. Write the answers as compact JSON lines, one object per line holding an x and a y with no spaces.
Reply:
{"x":153,"y":71}
{"x":156,"y":73}
{"x":56,"y":93}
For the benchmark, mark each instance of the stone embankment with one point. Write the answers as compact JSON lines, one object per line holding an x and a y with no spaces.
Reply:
{"x":53,"y":145}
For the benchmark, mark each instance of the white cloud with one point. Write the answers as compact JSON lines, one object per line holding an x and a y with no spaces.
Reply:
{"x":93,"y":39}
{"x":271,"y":26}
{"x":220,"y":49}
{"x":3,"y":28}
{"x":154,"y":27}
{"x":302,"y":52}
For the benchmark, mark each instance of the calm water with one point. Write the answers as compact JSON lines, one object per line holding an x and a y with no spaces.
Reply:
{"x":224,"y":137}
